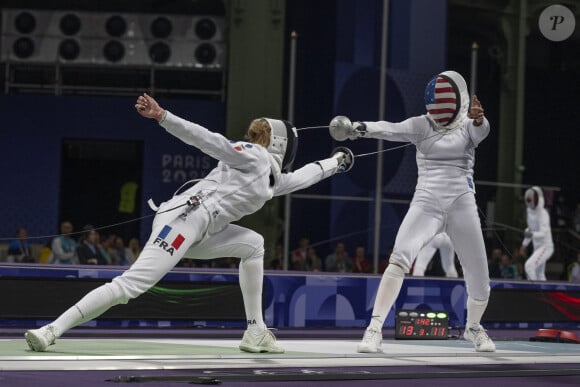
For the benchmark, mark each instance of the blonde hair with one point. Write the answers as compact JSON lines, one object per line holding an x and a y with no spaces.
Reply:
{"x":259,"y":132}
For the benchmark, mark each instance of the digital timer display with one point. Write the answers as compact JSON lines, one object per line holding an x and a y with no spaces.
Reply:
{"x":421,"y":325}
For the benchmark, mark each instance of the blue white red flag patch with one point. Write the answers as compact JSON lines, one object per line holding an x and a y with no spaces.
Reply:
{"x":169,"y":244}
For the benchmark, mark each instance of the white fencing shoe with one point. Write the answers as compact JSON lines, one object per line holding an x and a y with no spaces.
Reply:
{"x":371,"y":342}
{"x":39,"y":339}
{"x":257,"y":342}
{"x":479,"y":337}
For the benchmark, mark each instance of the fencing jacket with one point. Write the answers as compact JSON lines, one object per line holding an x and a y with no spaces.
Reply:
{"x":539,"y":224}
{"x":445,"y":160}
{"x":240,"y":184}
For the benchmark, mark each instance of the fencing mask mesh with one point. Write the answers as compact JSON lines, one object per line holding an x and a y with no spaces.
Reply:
{"x":283,"y":142}
{"x":447,"y":100}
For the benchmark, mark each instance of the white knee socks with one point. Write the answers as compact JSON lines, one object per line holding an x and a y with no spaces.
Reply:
{"x":387,"y":293}
{"x":475,"y":310}
{"x":95,"y":303}
{"x":251,"y":279}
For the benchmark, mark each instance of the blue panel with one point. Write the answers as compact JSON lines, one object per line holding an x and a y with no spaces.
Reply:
{"x":325,"y":300}
{"x":34,"y":127}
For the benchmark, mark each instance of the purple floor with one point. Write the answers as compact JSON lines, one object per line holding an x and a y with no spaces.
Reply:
{"x":535,"y":375}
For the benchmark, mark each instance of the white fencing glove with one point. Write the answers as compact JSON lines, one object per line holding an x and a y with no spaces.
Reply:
{"x":344,"y":157}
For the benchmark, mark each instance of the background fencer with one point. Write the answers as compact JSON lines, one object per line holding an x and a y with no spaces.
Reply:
{"x":444,"y":200}
{"x":539,"y":233}
{"x":247,"y":175}
{"x":440,"y":242}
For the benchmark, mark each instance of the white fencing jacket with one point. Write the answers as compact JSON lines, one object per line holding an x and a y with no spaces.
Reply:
{"x":445,"y":160}
{"x":240,"y":183}
{"x":539,"y":224}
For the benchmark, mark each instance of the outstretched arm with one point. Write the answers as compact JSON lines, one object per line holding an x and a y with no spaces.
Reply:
{"x":237,"y":155}
{"x":410,"y":130}
{"x":341,"y":160}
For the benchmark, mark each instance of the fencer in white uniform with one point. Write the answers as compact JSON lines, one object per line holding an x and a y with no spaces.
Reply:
{"x":440,"y":242}
{"x":198,"y":220}
{"x":539,"y":233}
{"x":444,"y":200}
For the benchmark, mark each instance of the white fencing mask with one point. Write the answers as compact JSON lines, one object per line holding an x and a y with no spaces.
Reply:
{"x":447,"y":100}
{"x":534,"y":198}
{"x":283,"y":143}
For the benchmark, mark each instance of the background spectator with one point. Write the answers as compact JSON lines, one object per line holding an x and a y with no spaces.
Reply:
{"x":88,"y":250}
{"x":506,"y":268}
{"x":574,"y":270}
{"x":360,"y":263}
{"x":106,"y":245}
{"x":339,"y":261}
{"x":135,"y":247}
{"x":313,"y":262}
{"x":276,"y":263}
{"x":121,"y":255}
{"x":298,"y":260}
{"x":64,"y":246}
{"x":19,"y":249}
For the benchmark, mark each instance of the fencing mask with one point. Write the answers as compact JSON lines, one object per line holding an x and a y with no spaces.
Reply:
{"x":447,"y":100}
{"x":534,"y":198}
{"x":283,"y":143}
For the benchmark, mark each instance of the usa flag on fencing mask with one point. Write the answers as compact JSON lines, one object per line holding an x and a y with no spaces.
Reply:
{"x":441,"y":100}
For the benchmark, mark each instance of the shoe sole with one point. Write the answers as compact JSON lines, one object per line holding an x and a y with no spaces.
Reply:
{"x":246,"y":348}
{"x":33,"y":342}
{"x":368,"y":350}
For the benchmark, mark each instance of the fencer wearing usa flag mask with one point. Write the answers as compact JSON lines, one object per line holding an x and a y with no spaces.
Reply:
{"x":195,"y":223}
{"x":539,"y":233}
{"x":447,"y":101}
{"x":444,"y":200}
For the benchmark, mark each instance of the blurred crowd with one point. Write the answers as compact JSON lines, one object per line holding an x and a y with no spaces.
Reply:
{"x":305,"y":257}
{"x":88,"y":247}
{"x":92,"y":247}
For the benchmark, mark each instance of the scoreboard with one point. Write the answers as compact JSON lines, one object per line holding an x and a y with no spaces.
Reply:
{"x":421,"y":325}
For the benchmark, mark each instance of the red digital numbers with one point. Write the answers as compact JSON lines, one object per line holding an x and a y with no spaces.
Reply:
{"x":423,"y":321}
{"x":411,"y":325}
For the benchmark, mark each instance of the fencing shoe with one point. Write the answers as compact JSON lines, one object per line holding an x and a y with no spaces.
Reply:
{"x":261,"y":341}
{"x":479,"y":337}
{"x":39,"y":339}
{"x":371,"y":341}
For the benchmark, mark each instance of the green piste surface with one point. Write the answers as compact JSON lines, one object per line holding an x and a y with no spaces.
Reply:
{"x":121,"y":348}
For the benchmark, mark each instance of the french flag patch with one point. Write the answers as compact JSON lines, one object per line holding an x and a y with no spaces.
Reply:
{"x":176,"y":242}
{"x":168,"y":242}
